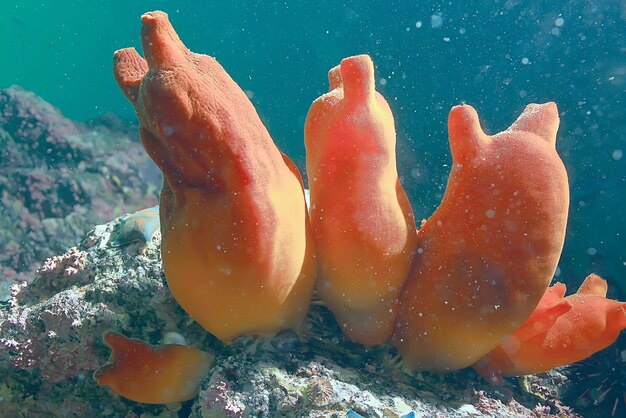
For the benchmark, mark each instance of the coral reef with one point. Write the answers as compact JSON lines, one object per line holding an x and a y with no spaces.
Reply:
{"x":58,"y":178}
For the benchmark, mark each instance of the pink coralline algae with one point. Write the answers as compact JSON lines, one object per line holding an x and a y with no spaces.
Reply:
{"x":50,"y":328}
{"x":68,"y":264}
{"x":216,"y":398}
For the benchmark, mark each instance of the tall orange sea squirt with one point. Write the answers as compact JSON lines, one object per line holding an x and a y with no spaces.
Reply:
{"x":361,"y":217}
{"x":237,"y":248}
{"x":488,"y":253}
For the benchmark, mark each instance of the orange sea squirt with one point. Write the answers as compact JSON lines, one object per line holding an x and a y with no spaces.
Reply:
{"x":361,"y":217}
{"x":560,"y":331}
{"x":239,"y":252}
{"x":487,"y":254}
{"x":153,"y":375}
{"x":237,"y":248}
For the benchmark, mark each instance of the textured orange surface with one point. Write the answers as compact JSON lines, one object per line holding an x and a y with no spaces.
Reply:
{"x":237,"y":248}
{"x":154,"y":375}
{"x":241,"y":257}
{"x":488,"y":253}
{"x":361,"y":217}
{"x":554,"y":337}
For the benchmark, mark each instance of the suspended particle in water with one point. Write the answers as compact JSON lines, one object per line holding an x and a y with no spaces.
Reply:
{"x":436,"y":21}
{"x":617,"y":154}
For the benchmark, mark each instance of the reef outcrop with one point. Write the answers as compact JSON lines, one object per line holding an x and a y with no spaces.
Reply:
{"x":50,"y":345}
{"x":59,"y":177}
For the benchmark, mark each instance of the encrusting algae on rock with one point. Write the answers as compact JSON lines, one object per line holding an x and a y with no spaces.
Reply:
{"x":241,"y":256}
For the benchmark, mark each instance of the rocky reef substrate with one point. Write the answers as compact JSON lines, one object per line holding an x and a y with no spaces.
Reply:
{"x":58,"y":178}
{"x":50,"y":344}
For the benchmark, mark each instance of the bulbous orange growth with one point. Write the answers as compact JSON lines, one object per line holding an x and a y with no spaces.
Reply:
{"x":560,"y":331}
{"x":155,"y":375}
{"x":237,"y":249}
{"x":362,"y":220}
{"x":488,"y":253}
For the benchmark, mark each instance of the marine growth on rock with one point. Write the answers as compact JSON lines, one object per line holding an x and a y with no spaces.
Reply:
{"x":242,"y":252}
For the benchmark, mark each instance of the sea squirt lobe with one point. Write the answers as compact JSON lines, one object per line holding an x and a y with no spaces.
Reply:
{"x":475,"y":280}
{"x":237,"y":249}
{"x":361,"y":217}
{"x":561,"y":330}
{"x":153,"y":375}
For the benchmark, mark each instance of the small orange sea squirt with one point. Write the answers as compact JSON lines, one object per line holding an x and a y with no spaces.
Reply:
{"x":361,"y":217}
{"x":237,"y":248}
{"x":488,"y":253}
{"x":550,"y":338}
{"x":154,"y":375}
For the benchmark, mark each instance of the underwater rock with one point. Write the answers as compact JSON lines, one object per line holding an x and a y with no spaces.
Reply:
{"x":58,"y":178}
{"x":50,"y":344}
{"x":32,"y":121}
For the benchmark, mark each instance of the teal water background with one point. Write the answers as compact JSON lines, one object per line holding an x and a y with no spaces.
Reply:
{"x":430,"y":55}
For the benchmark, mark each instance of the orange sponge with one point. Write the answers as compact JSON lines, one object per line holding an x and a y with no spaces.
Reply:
{"x":488,"y":253}
{"x":361,"y":217}
{"x":155,"y":375}
{"x":560,"y":331}
{"x":237,"y":249}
